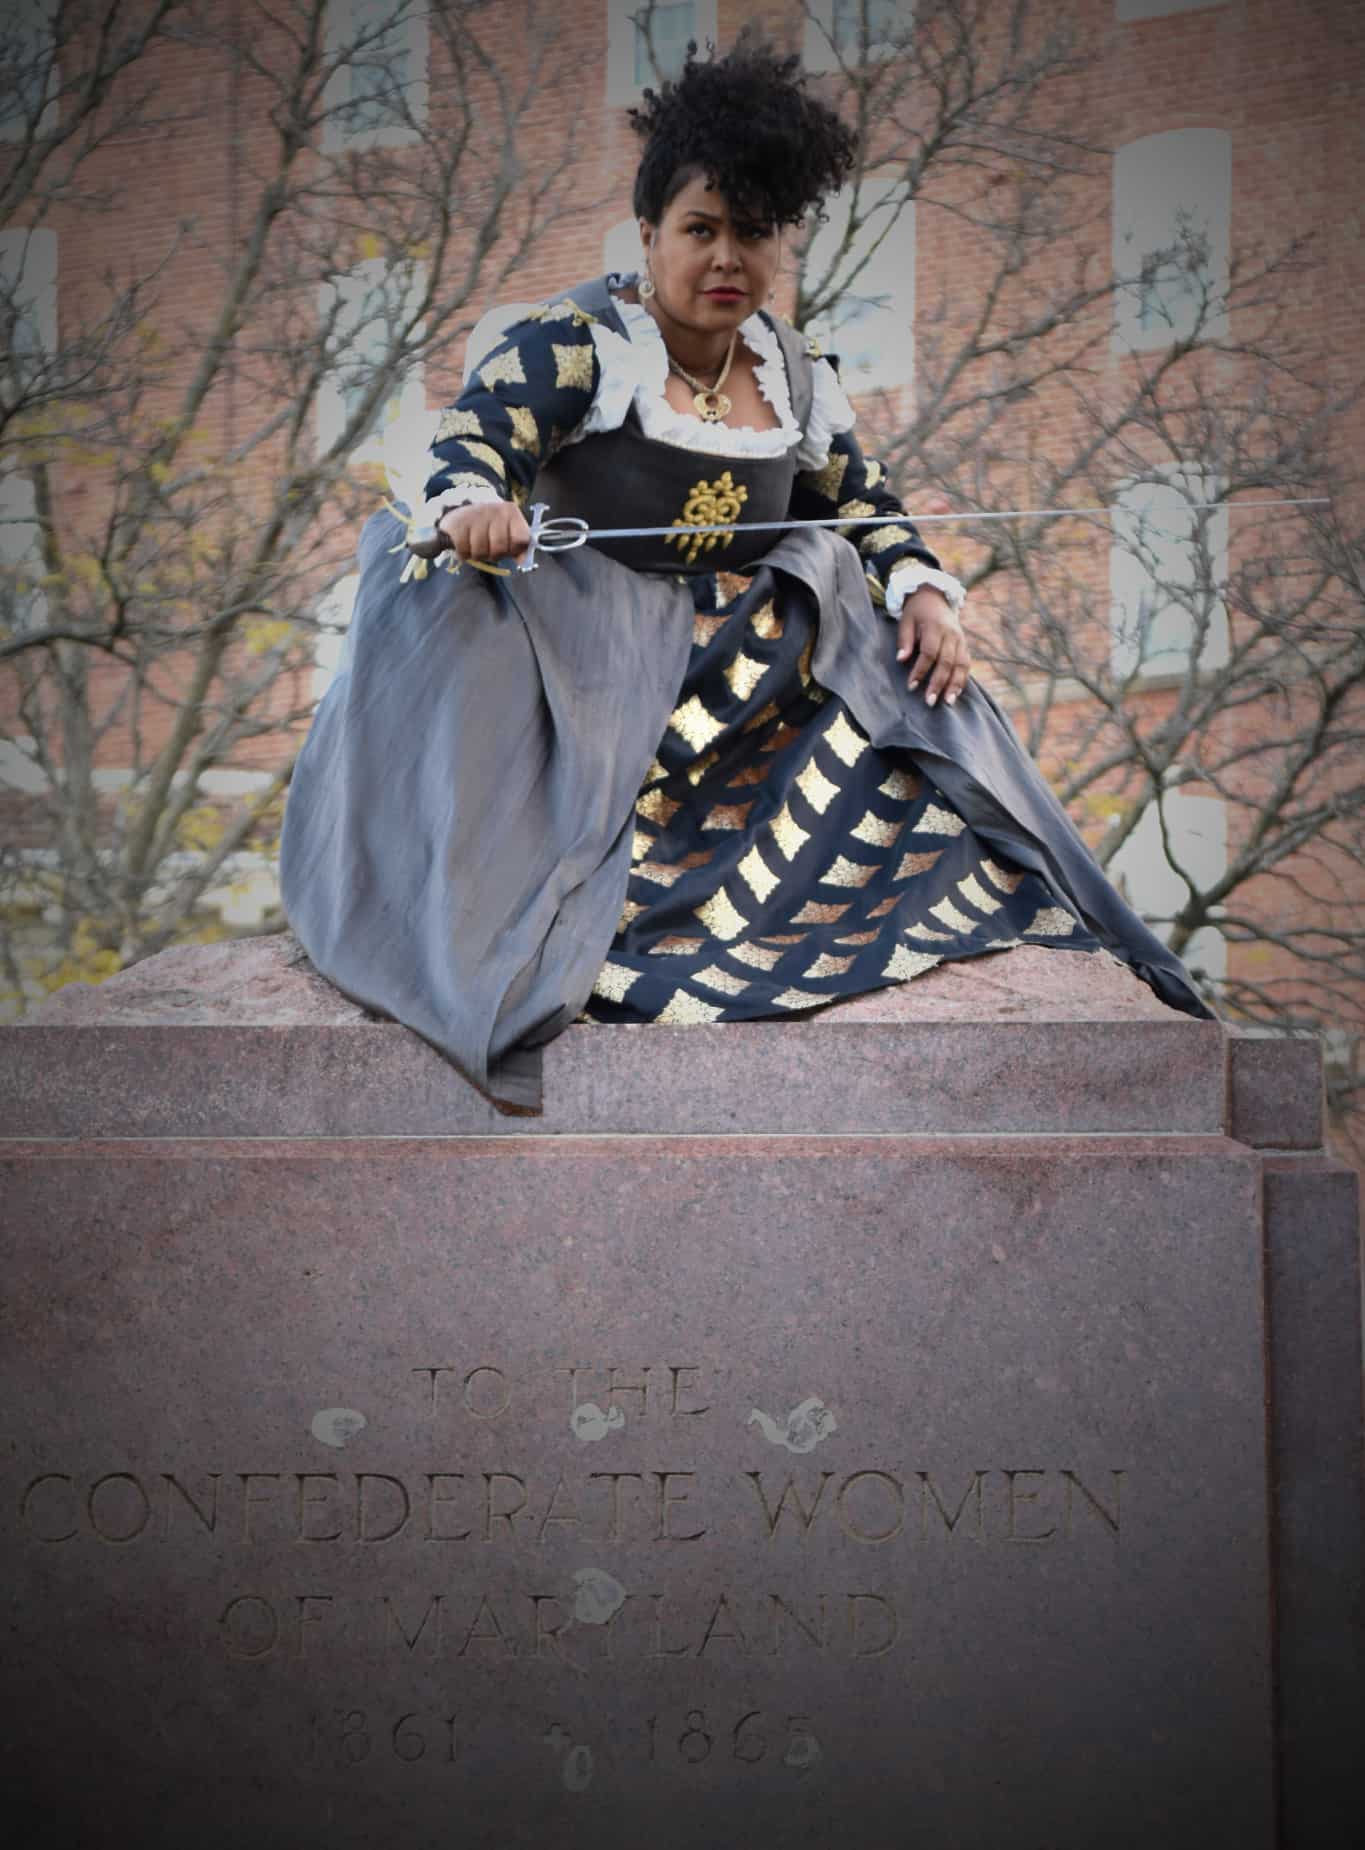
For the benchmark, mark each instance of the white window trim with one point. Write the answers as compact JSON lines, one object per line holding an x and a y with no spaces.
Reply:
{"x":21,"y":556}
{"x":246,"y":889}
{"x":1125,"y":11}
{"x":334,"y":611}
{"x":28,"y":265}
{"x":417,"y":31}
{"x":621,"y":248}
{"x":406,"y":407}
{"x":1198,"y":831}
{"x":21,"y":770}
{"x":622,"y":88}
{"x":817,"y":50}
{"x":1201,"y":153}
{"x":41,"y":15}
{"x":898,"y":368}
{"x":1126,"y":572}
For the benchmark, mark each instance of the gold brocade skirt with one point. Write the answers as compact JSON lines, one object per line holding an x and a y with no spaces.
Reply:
{"x":781,"y":861}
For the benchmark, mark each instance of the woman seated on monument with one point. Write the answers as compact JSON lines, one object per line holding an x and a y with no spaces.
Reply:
{"x":684,"y":777}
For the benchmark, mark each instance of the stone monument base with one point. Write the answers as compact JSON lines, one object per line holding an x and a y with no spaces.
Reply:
{"x":935,"y":1429}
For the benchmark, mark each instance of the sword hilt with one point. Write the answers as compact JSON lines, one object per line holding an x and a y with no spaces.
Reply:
{"x":561,"y":535}
{"x":547,"y":535}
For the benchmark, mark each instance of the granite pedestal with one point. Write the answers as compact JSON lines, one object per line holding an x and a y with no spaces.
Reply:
{"x":919,"y":1431}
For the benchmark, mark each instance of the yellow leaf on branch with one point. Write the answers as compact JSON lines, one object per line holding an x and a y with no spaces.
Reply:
{"x":266,"y":633}
{"x":201,"y":827}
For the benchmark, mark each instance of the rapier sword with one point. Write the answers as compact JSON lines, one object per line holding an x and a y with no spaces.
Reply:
{"x":564,"y":533}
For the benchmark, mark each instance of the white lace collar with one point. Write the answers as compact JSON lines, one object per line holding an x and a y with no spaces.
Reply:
{"x":634,"y":369}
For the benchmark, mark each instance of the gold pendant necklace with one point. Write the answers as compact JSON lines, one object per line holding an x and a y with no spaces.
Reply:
{"x":712,"y":404}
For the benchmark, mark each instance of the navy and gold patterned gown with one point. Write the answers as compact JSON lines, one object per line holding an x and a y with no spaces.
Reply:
{"x":848,"y":869}
{"x":707,"y":738}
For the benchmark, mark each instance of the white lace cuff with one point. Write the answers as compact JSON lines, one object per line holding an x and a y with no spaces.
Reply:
{"x":468,"y":494}
{"x":912,"y":576}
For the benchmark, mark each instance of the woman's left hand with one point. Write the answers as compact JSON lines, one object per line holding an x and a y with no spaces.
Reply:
{"x":931,"y":633}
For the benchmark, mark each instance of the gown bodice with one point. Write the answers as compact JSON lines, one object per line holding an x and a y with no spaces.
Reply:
{"x":623,"y":478}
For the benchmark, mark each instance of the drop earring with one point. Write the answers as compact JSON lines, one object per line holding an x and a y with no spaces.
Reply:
{"x":645,"y":287}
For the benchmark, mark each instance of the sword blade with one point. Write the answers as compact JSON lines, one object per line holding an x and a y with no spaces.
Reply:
{"x":681,"y":530}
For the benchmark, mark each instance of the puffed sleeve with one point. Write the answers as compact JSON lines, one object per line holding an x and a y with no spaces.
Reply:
{"x":853,"y":486}
{"x":530,"y":392}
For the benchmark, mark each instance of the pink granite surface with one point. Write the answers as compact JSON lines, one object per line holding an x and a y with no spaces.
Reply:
{"x":269,"y":981}
{"x":246,"y":1040}
{"x":1063,"y":1337}
{"x":264,"y":1568}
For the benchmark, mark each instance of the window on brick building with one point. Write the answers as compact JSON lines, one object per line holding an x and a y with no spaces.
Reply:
{"x":1171,"y":212}
{"x":670,"y":29}
{"x":835,"y":30}
{"x":23,"y":603}
{"x":621,"y":250}
{"x":28,"y":304}
{"x":1166,"y":560}
{"x":364,"y":309}
{"x":28,"y":69}
{"x":871,"y":326}
{"x":1187,"y":836}
{"x":28,"y":341}
{"x":1126,"y":10}
{"x":673,"y":24}
{"x":378,"y":97}
{"x":333,"y":613}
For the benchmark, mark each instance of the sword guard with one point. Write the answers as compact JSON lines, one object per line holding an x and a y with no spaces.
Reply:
{"x":560,"y":535}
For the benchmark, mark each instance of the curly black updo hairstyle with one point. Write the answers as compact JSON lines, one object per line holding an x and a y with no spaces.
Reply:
{"x":747,"y":123}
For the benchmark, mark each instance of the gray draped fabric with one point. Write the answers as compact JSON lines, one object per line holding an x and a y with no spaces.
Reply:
{"x":457,"y":841}
{"x":971,"y":751}
{"x":457,"y":838}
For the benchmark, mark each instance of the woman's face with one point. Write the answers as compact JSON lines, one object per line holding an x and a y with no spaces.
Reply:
{"x":712,"y":264}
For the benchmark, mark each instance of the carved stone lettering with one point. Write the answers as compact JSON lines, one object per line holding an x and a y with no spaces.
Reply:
{"x":118,"y":1507}
{"x":880,"y":1501}
{"x":428,"y":1626}
{"x":208,"y":1518}
{"x":722,"y":1626}
{"x":802,"y":1517}
{"x":637,"y":1390}
{"x":373,"y":1521}
{"x":1090,"y":1500}
{"x":437,"y":1500}
{"x":250,"y":1499}
{"x":249,"y":1626}
{"x":931,"y":1497}
{"x":566,"y":1516}
{"x":616,"y":1479}
{"x":865,"y":1640}
{"x":868,"y":1505}
{"x":308,"y":1497}
{"x":816,"y":1631}
{"x":1020,"y":1494}
{"x":39,"y":1506}
{"x":676,"y":1372}
{"x":667,"y":1498}
{"x":491,"y":1511}
{"x":485,"y":1628}
{"x":306,"y":1617}
{"x":485,"y":1391}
